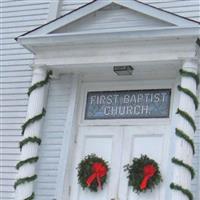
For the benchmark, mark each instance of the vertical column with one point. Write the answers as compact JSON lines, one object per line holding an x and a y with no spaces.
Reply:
{"x":183,"y":171}
{"x":31,"y":135}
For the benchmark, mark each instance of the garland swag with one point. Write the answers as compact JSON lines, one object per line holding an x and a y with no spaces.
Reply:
{"x":185,"y":137}
{"x":29,"y":160}
{"x":181,"y":189}
{"x":25,"y":180}
{"x":33,"y":139}
{"x":33,"y":119}
{"x":190,"y":94}
{"x":40,"y":83}
{"x":29,"y":140}
{"x":187,"y":117}
{"x":180,"y":133}
{"x":188,"y":167}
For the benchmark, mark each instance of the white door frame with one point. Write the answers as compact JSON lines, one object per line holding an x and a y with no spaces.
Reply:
{"x":116,"y":85}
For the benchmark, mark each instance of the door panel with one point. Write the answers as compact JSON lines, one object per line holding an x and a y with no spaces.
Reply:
{"x":104,"y":142}
{"x":143,"y":140}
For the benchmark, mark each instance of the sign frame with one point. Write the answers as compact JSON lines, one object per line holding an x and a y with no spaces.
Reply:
{"x":90,"y":86}
{"x":121,"y":95}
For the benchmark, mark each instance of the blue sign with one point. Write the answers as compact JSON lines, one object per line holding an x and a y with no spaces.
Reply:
{"x":128,"y":104}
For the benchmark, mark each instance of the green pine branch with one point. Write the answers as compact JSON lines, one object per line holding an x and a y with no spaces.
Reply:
{"x":32,"y":120}
{"x":181,"y":189}
{"x":190,"y":74}
{"x":29,"y":140}
{"x":184,"y":136}
{"x":191,"y":94}
{"x":187,"y":117}
{"x":25,"y":180}
{"x":29,"y":160}
{"x":181,"y":163}
{"x":40,"y":83}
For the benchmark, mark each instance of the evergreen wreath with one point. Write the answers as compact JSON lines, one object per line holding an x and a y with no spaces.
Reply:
{"x":92,"y":173}
{"x":143,"y":174}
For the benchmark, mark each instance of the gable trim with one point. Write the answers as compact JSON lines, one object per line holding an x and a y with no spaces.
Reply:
{"x":95,"y":5}
{"x":157,"y":13}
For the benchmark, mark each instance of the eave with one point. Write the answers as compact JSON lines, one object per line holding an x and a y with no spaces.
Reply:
{"x":81,"y":38}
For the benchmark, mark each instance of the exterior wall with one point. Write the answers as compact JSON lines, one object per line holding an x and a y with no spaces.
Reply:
{"x":19,"y":17}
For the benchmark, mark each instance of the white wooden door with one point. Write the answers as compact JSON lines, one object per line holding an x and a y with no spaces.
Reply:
{"x":119,"y":145}
{"x":147,"y":140}
{"x":105,"y":142}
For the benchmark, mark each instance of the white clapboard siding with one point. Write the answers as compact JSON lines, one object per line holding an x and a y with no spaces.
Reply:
{"x":17,"y":17}
{"x":185,"y":8}
{"x":52,"y":137}
{"x":196,"y":161}
{"x":113,"y":17}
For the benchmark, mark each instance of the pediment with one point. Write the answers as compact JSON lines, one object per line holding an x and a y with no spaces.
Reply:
{"x":112,"y":15}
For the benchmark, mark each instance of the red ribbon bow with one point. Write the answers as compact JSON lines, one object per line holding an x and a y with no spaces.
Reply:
{"x":99,"y":170}
{"x":149,"y":171}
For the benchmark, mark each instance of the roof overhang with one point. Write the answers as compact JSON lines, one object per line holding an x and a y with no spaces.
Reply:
{"x":78,"y":49}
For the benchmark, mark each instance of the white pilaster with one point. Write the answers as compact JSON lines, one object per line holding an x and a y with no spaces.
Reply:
{"x":35,"y":106}
{"x":183,"y":151}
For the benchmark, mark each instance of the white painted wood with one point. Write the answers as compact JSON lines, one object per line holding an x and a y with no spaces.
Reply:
{"x":15,"y":78}
{"x":112,"y":17}
{"x":152,"y":141}
{"x":54,"y":9}
{"x":54,"y":139}
{"x":135,"y":140}
{"x":105,"y":142}
{"x":69,"y":138}
{"x":182,"y":149}
{"x":35,"y":106}
{"x":169,"y":5}
{"x":97,"y":5}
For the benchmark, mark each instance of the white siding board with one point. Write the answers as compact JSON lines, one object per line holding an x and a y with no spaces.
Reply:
{"x":17,"y":17}
{"x":181,"y":7}
{"x":52,"y":137}
{"x":113,"y":17}
{"x":196,"y":160}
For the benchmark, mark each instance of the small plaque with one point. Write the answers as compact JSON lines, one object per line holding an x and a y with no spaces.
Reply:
{"x":129,"y":104}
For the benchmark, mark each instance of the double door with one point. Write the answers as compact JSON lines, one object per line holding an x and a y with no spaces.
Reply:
{"x":119,"y":145}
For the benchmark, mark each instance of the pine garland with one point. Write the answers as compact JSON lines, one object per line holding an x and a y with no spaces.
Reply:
{"x":33,"y":139}
{"x":40,"y":83}
{"x":191,"y":94}
{"x":190,"y":74}
{"x":186,"y":116}
{"x":181,"y":163}
{"x":181,"y":189}
{"x":25,"y":180}
{"x":31,"y":197}
{"x":33,"y":119}
{"x":29,"y":160}
{"x":29,"y":140}
{"x":184,"y":136}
